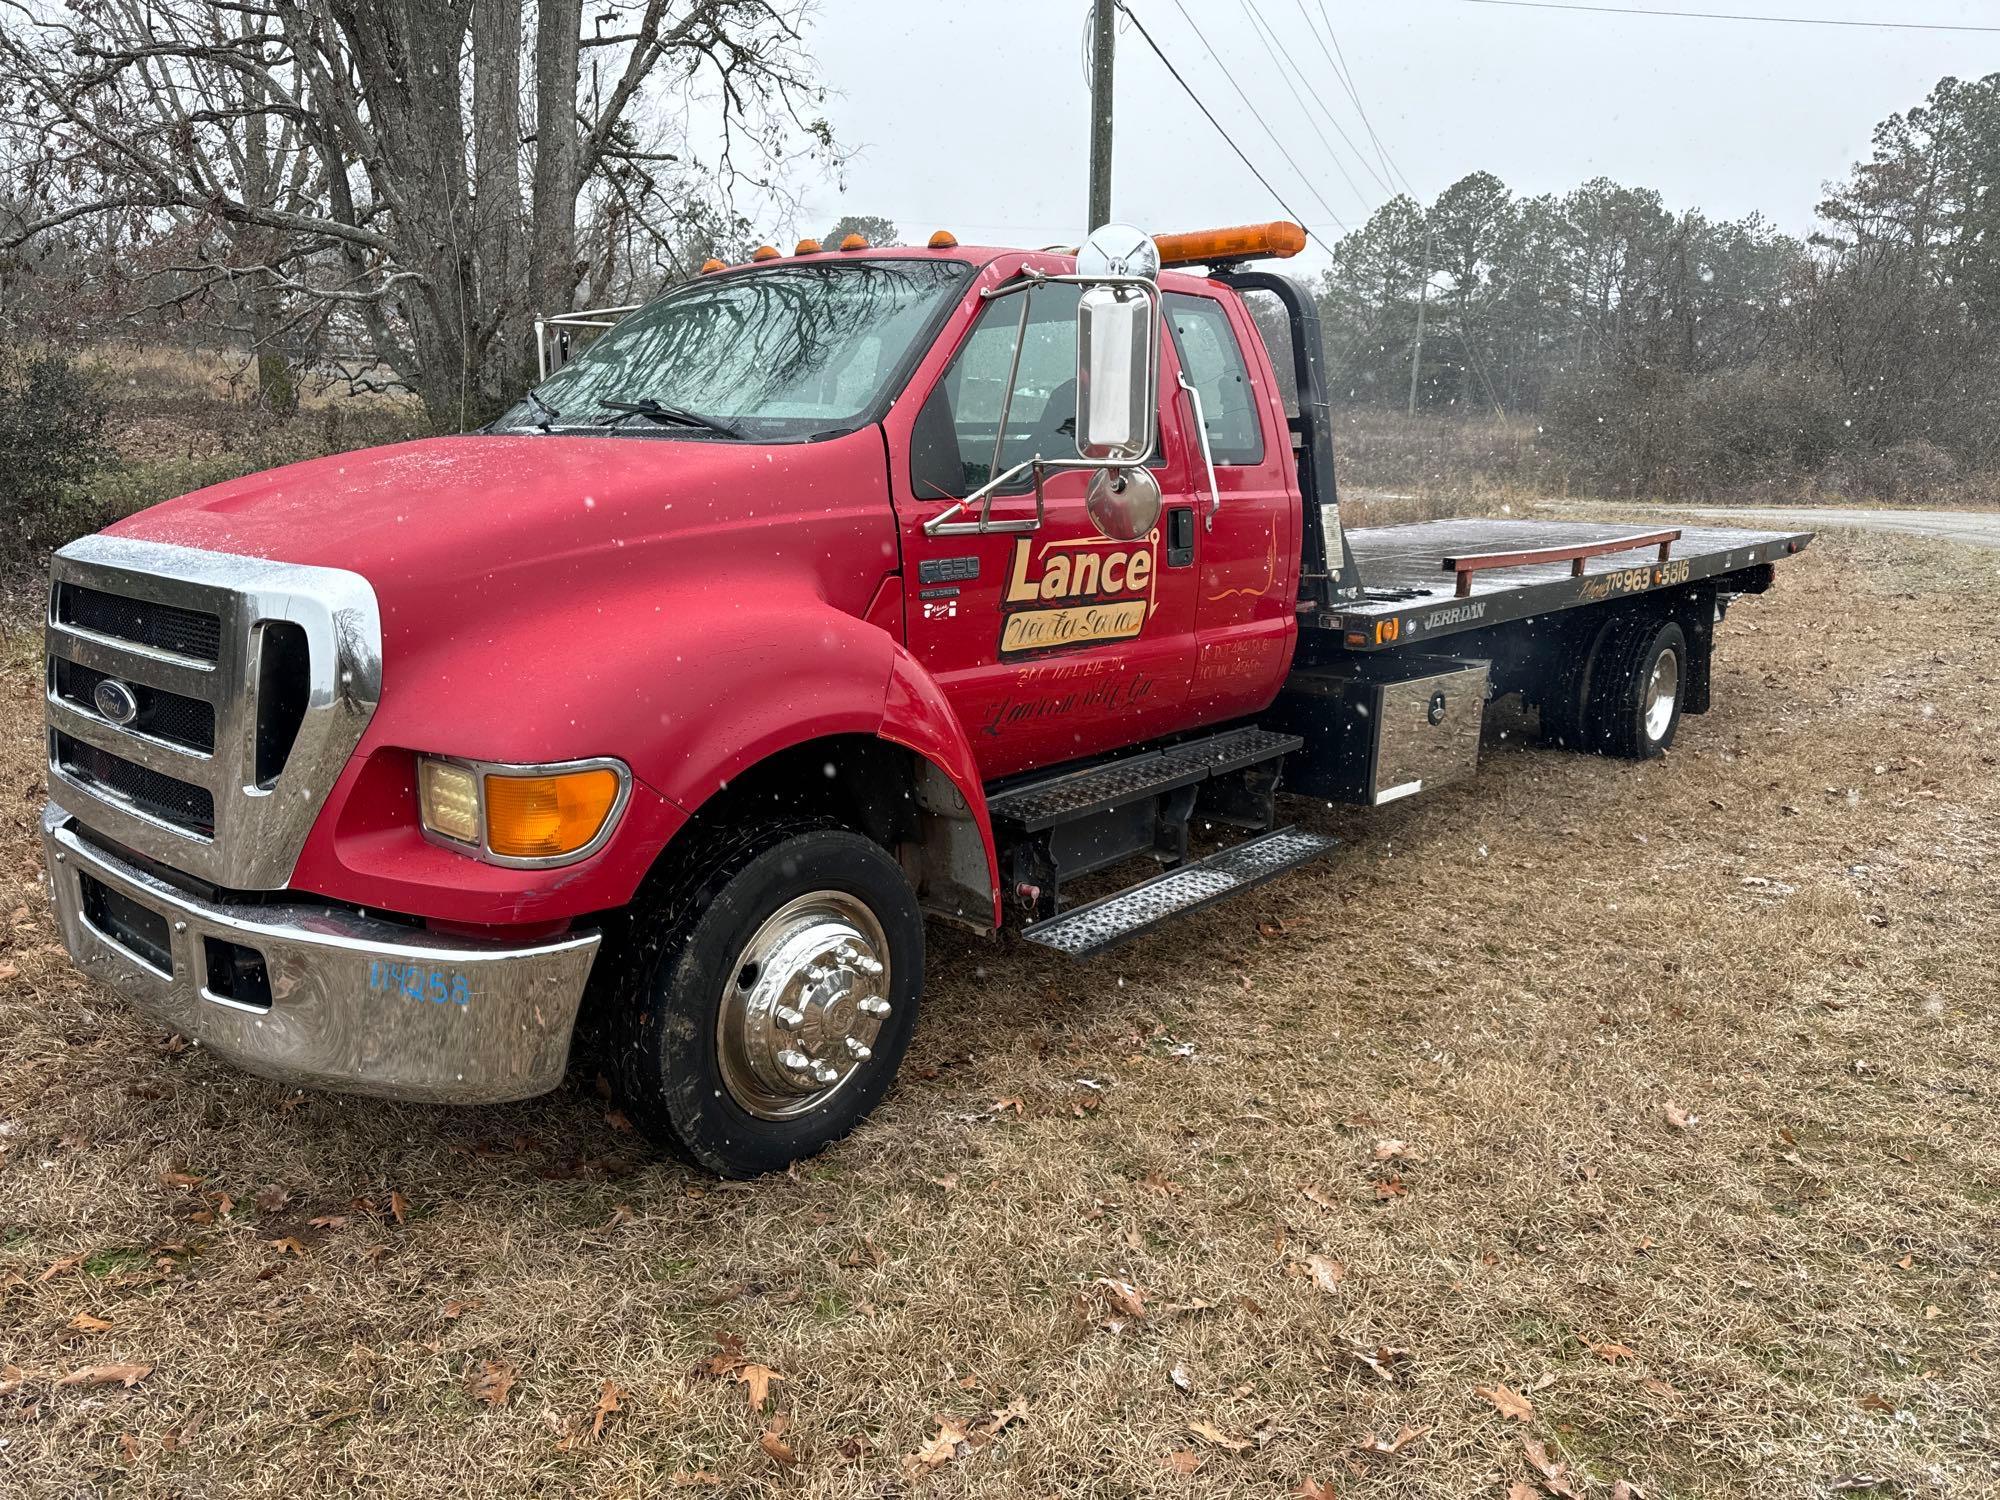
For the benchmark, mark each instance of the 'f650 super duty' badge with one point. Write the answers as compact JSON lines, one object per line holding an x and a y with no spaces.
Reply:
{"x":1083,"y":592}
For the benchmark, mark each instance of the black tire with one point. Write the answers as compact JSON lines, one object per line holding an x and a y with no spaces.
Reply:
{"x":682,"y":944}
{"x":1623,"y":715}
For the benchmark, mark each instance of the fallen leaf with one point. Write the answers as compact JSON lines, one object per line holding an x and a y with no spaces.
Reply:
{"x":493,"y":1382}
{"x":1391,"y":1150}
{"x":1519,"y":1490}
{"x":1183,"y":1382}
{"x":1386,"y":1362}
{"x":1312,"y":1489}
{"x":1677,"y":1117}
{"x":1182,"y":1461}
{"x":772,"y":1441}
{"x":939,"y":1451}
{"x":456,"y":1308}
{"x":1405,"y":1436}
{"x":756,"y":1380}
{"x":399,"y":1207}
{"x":608,"y":1398}
{"x":1393,"y":1188}
{"x":991,"y":1427}
{"x":289,"y":1245}
{"x":1555,"y":1479}
{"x":1326,"y":1274}
{"x":187,"y":1181}
{"x":1907,"y":1263}
{"x":83,"y":1322}
{"x":1509,"y":1402}
{"x":1610,"y":1353}
{"x":329,"y":1221}
{"x":686,"y":1479}
{"x":270,"y":1199}
{"x":127,"y":1444}
{"x":1166,"y":1187}
{"x":125,"y":1375}
{"x":1658,"y":1387}
{"x":12,"y":1378}
{"x":1209,"y":1433}
{"x":619,"y":1121}
{"x":67,"y":1263}
{"x":1872,"y":1402}
{"x":1314,"y":1195}
{"x":1123,"y":1296}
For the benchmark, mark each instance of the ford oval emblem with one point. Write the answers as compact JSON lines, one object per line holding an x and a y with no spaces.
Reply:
{"x":115,"y":701}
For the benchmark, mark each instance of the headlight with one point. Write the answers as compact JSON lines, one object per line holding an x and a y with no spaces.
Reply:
{"x":521,"y":815}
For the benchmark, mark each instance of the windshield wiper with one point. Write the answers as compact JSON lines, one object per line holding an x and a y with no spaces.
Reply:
{"x":677,"y":415}
{"x":549,"y":413}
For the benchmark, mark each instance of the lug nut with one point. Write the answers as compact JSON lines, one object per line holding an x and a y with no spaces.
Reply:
{"x":869,"y":966}
{"x":857,"y":1051}
{"x":795,"y":1062}
{"x":789,"y":1019}
{"x":874,"y":1006}
{"x":824,"y":1075}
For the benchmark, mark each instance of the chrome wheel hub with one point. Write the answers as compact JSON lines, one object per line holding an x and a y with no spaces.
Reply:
{"x":803,"y":1005}
{"x":1663,"y":690}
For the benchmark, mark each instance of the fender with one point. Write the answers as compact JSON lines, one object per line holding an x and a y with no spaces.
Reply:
{"x":917,"y":716}
{"x":740,"y":668}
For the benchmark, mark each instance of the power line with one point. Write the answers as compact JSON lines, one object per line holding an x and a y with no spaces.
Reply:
{"x":1715,"y":15}
{"x":1259,"y":24}
{"x":1263,"y":124}
{"x":1147,"y":37}
{"x":1346,"y":76}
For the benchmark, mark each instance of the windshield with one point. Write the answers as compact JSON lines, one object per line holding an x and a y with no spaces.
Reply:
{"x":788,"y":352}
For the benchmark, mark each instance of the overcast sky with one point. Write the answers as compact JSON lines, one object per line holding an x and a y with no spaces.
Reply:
{"x":975,"y":116}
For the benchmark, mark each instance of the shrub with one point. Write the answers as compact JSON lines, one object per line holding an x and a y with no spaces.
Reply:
{"x":52,"y":419}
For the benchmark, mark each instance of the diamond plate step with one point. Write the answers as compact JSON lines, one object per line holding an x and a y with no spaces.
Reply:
{"x":1077,"y":794}
{"x":1098,"y":925}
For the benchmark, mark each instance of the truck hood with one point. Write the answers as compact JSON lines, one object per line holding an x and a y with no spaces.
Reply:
{"x":480,"y":512}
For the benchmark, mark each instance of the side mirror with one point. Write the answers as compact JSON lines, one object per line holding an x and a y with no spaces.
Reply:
{"x":1117,"y":374}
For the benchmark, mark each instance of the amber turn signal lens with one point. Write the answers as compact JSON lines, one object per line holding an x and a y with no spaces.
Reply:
{"x":542,"y":817}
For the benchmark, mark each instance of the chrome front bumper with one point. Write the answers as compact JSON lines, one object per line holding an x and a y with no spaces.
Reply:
{"x":356,"y":1004}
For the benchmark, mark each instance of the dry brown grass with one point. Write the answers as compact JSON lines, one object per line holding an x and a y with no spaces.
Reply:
{"x":1786,"y":934}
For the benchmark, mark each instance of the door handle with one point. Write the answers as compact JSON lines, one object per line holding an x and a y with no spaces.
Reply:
{"x":1207,"y":462}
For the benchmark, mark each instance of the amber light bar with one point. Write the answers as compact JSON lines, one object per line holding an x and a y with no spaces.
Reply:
{"x":1207,"y":247}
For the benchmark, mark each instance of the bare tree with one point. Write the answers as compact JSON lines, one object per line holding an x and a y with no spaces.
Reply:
{"x":356,"y":170}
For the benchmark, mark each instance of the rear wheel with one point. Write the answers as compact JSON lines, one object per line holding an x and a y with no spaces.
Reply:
{"x":773,"y":995}
{"x":1637,"y":689}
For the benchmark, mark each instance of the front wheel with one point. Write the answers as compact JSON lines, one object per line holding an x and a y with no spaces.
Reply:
{"x":775,"y":997}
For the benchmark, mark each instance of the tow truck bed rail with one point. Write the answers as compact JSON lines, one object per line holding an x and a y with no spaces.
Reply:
{"x":1512,"y":570}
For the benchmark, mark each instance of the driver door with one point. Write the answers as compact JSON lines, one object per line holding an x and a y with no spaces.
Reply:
{"x":1052,"y":643}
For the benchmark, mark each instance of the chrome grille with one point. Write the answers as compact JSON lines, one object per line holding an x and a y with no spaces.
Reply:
{"x":246,"y":685}
{"x":118,"y":780}
{"x":191,"y":633}
{"x":187,"y":722}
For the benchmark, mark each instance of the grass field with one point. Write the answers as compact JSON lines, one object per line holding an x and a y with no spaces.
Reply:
{"x":1636,"y":1120}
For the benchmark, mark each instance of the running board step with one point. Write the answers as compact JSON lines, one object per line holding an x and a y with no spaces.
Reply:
{"x":1102,"y":924}
{"x":1068,"y":795}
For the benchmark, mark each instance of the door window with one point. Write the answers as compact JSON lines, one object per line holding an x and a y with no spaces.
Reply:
{"x":958,"y":444}
{"x":1206,"y":343}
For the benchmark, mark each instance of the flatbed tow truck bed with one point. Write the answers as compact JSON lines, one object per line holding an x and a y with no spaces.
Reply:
{"x":1414,"y":591}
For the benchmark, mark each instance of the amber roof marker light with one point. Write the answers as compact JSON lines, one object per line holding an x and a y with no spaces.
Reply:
{"x":943,"y":239}
{"x":710,"y":266}
{"x":764,"y":252}
{"x":806,"y":247}
{"x":1278,"y":240}
{"x":855,"y":242}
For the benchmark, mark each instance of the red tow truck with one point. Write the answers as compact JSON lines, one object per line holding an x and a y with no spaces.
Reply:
{"x":820,"y":596}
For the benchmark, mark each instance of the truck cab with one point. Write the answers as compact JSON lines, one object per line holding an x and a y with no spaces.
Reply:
{"x":824,"y":595}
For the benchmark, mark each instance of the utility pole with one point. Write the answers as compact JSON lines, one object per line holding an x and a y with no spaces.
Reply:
{"x":1103,"y":31}
{"x":1423,"y":293}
